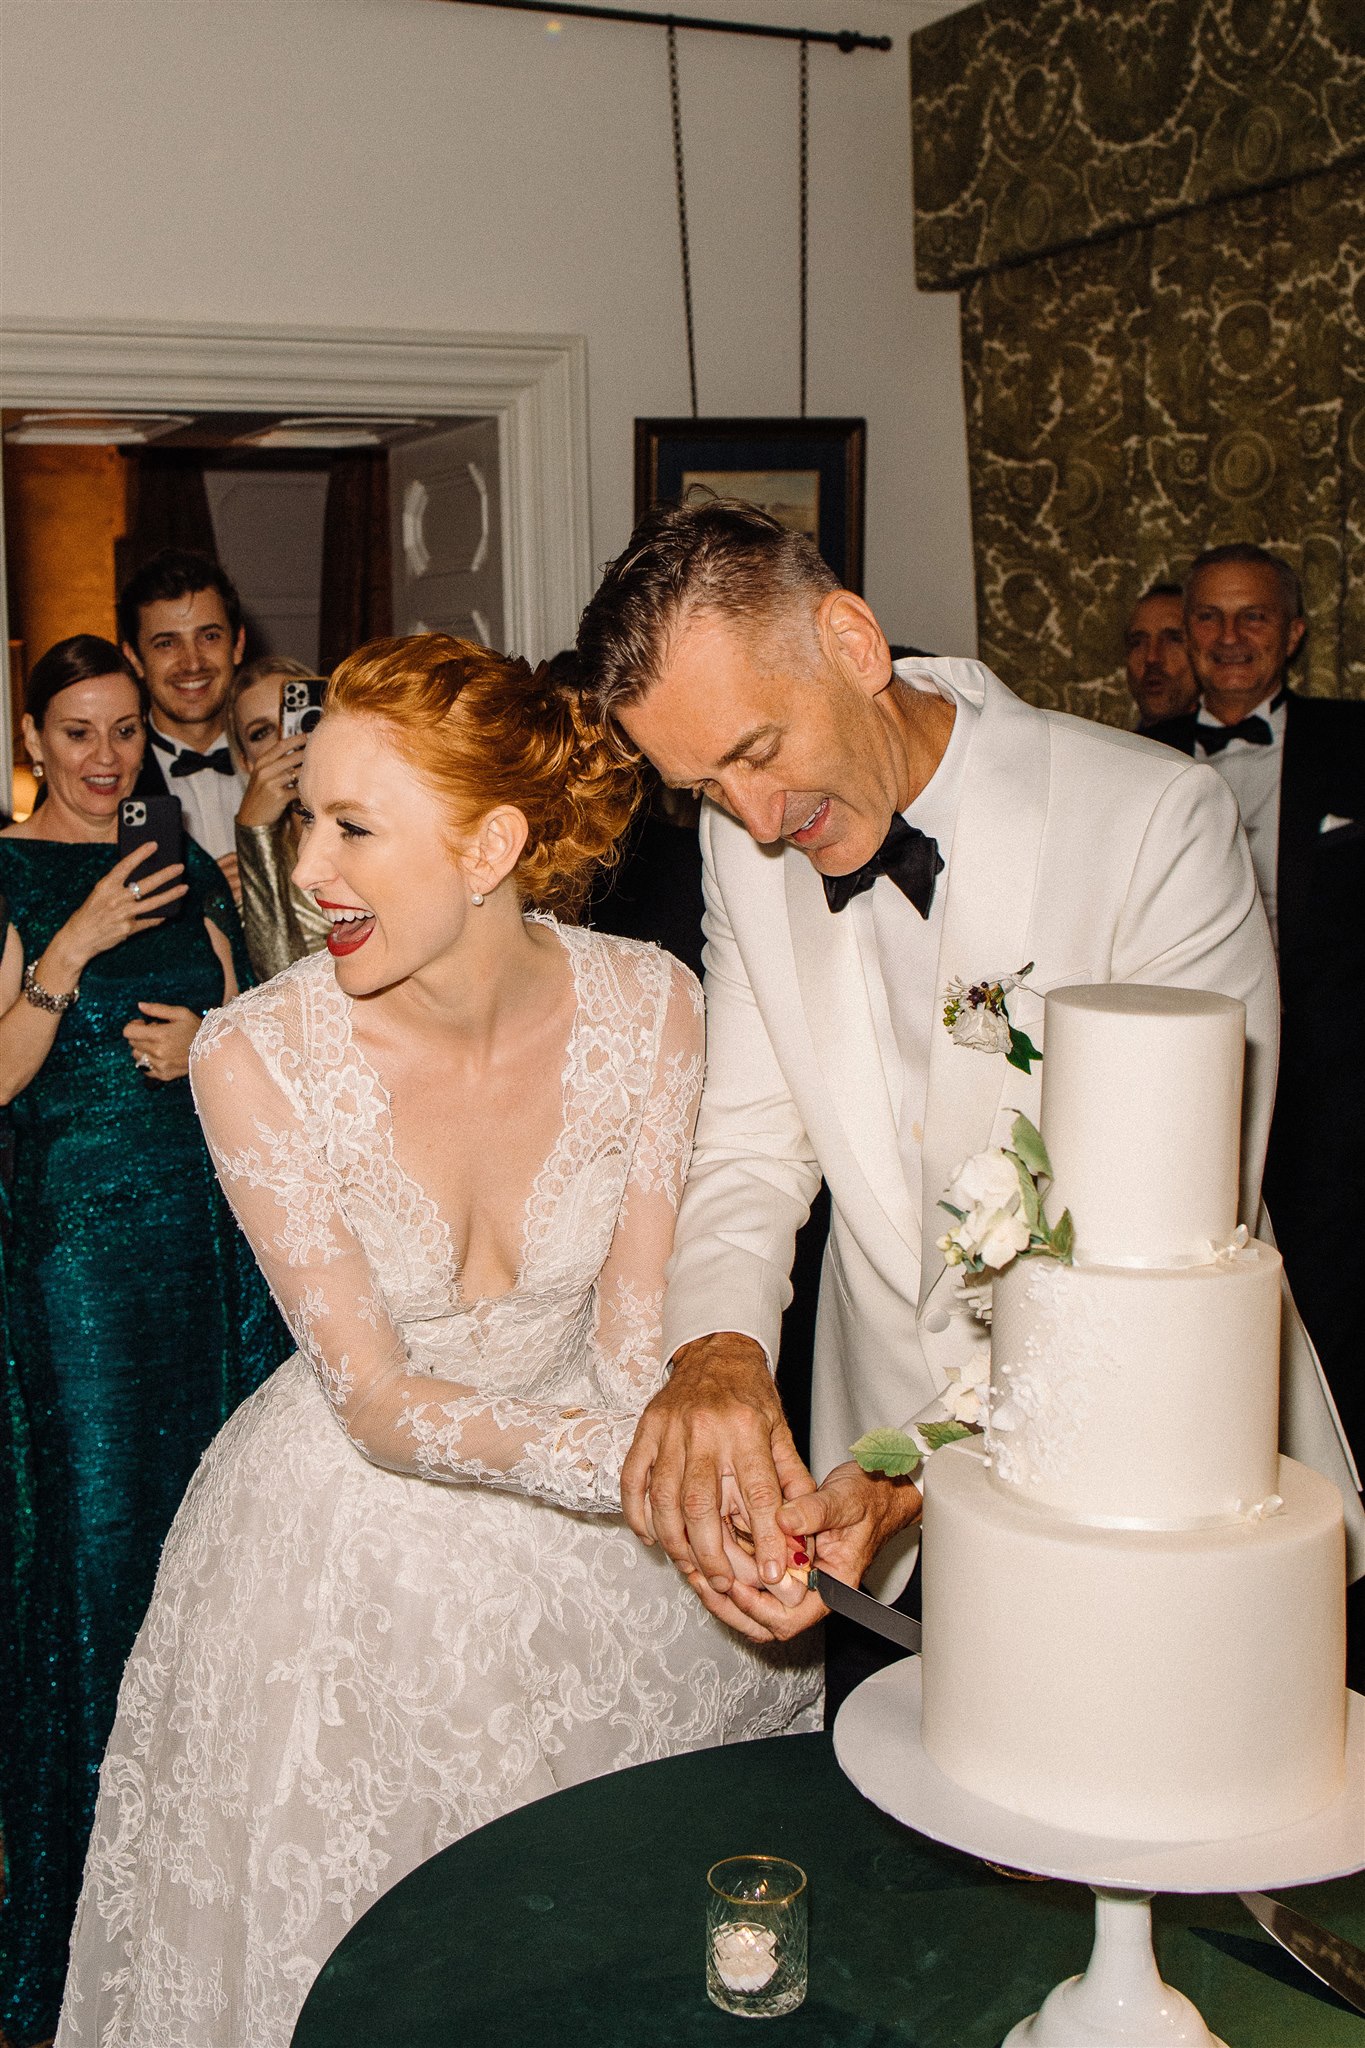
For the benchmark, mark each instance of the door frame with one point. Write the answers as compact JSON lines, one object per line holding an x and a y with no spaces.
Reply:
{"x":534,"y":385}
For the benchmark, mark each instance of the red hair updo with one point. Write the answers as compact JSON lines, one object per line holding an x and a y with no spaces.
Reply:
{"x":486,"y":729}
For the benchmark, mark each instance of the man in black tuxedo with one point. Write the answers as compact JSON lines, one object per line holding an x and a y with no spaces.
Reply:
{"x":180,"y":623}
{"x":1297,"y":768}
{"x":1156,"y":660}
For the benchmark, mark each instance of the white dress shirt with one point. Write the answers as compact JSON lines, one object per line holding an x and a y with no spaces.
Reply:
{"x":1252,"y":773}
{"x":899,"y":950}
{"x":208,"y":800}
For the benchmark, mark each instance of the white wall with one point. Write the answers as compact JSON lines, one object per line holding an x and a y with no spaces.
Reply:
{"x":375,"y":163}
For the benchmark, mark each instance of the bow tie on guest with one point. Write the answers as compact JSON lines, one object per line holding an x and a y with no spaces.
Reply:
{"x":187,"y":762}
{"x":907,"y":857}
{"x":190,"y":763}
{"x":1213,"y":737}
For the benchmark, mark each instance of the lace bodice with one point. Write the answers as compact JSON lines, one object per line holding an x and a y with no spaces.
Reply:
{"x":536,"y":1390}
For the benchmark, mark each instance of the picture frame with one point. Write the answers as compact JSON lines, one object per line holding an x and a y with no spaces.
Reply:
{"x":810,"y":474}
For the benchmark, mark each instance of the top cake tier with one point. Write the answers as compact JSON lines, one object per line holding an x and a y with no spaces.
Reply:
{"x":1141,"y":1113}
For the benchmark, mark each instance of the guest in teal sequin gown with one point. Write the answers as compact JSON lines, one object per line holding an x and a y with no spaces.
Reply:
{"x":137,"y":1319}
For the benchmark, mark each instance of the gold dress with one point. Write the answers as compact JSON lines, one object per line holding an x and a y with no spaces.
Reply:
{"x":281,"y":923}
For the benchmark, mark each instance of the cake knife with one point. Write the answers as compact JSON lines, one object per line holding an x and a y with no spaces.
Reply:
{"x":1336,"y":1963}
{"x":868,"y":1612}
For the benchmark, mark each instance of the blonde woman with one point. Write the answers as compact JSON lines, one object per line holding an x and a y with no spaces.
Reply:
{"x":281,"y":923}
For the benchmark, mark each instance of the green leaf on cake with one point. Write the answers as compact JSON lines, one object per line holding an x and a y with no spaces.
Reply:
{"x":1028,"y":1143}
{"x":889,"y":1451}
{"x":1064,"y":1238}
{"x":937,"y":1434}
{"x":1022,"y":1050}
{"x":1029,"y":1199}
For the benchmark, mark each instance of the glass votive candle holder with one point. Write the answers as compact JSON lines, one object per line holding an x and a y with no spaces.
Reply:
{"x":756,"y":1936}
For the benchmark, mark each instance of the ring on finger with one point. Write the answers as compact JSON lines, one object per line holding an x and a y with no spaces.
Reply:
{"x":135,"y":890}
{"x":144,"y":1060}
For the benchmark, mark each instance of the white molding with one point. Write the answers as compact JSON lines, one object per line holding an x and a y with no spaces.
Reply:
{"x":535,"y":385}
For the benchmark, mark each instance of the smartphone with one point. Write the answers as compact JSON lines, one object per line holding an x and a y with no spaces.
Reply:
{"x":300,"y":705}
{"x":159,"y":822}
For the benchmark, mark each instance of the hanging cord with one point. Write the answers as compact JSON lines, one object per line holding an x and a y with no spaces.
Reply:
{"x":681,"y":177}
{"x":805,"y":215}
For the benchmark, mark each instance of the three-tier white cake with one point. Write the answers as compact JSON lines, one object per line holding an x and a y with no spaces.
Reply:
{"x":1133,"y":1607}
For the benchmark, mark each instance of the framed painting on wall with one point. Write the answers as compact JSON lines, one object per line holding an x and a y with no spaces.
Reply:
{"x":807,"y":473}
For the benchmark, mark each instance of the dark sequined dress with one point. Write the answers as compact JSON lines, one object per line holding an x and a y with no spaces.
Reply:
{"x":135,"y":1322}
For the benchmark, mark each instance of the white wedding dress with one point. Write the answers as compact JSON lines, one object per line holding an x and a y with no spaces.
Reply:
{"x":388,"y":1611}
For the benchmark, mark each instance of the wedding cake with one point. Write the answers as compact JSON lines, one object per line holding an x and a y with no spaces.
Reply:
{"x":1133,"y":1607}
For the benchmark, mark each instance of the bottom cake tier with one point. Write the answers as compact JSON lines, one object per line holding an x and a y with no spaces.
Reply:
{"x":1162,"y":1685}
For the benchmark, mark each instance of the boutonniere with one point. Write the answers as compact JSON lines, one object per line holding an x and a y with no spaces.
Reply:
{"x":976,"y":1015}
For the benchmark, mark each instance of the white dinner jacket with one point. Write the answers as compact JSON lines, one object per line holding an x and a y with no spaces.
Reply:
{"x":1098,"y":856}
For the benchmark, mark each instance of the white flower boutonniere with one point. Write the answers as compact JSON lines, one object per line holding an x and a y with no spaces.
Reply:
{"x":975,"y":1014}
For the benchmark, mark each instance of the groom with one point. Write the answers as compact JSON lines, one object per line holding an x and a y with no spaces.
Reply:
{"x":872,"y":834}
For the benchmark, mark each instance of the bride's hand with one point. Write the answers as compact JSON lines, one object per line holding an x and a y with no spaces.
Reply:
{"x":739,"y":1549}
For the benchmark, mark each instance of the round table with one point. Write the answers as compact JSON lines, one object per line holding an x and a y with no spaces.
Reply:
{"x":579,"y":1921}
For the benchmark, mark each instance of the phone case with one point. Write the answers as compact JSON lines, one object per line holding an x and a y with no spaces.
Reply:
{"x":300,"y":705}
{"x":155,"y":821}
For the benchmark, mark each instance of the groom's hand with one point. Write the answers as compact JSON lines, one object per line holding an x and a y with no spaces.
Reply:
{"x":845,"y":1522}
{"x":716,"y":1427}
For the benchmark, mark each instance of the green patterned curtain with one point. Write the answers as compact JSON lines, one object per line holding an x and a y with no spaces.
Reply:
{"x":1160,"y":235}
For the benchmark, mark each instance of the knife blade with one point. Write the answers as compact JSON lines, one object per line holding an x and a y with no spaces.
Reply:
{"x":1333,"y":1961}
{"x":868,"y":1612}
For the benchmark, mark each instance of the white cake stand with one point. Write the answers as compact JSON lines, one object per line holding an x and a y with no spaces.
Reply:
{"x":1121,"y":2001}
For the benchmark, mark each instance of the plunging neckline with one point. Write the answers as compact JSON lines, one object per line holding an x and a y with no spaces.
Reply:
{"x":554,"y":1159}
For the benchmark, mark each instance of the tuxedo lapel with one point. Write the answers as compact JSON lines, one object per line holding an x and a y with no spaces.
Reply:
{"x":840,"y":1019}
{"x":1300,"y":809}
{"x":151,"y":777}
{"x":991,"y":874}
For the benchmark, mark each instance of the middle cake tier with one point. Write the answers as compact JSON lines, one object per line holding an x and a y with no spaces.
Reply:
{"x":1137,"y":1398}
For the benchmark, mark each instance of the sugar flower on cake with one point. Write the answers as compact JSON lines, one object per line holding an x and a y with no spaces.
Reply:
{"x":898,"y":1453}
{"x":976,"y":1015}
{"x":965,"y":1395}
{"x":996,"y":1202}
{"x":991,"y":1228}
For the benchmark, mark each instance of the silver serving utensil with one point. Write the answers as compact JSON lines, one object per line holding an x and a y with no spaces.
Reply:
{"x":898,"y":1628}
{"x":1337,"y":1963}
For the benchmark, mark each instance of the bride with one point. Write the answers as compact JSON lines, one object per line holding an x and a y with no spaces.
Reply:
{"x":399,"y":1598}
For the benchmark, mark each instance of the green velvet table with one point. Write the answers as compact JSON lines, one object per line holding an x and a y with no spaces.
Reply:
{"x":579,"y":1921}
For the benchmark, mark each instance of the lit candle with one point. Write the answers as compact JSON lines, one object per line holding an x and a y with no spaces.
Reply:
{"x":745,"y":1956}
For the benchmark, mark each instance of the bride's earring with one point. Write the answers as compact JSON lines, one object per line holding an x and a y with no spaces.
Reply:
{"x":37,"y":771}
{"x":475,"y":896}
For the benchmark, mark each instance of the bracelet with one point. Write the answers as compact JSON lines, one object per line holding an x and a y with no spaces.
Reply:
{"x":43,"y":998}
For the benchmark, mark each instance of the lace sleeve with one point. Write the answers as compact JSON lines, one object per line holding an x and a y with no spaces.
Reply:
{"x":627,"y":1355}
{"x":285,"y":1196}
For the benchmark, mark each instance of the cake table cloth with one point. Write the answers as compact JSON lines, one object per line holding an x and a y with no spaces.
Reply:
{"x":580,"y":1919}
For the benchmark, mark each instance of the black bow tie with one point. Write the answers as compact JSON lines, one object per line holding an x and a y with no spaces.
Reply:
{"x":187,"y":762}
{"x":1213,"y":737}
{"x":907,"y":857}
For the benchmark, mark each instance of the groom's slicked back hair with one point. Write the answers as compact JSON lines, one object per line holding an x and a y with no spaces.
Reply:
{"x":713,"y":556}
